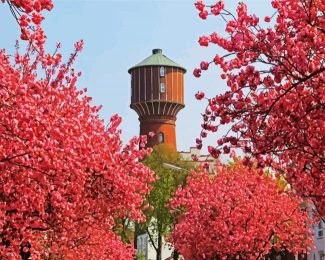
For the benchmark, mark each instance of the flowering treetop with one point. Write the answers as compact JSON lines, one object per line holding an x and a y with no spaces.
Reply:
{"x":237,"y":214}
{"x":275,"y":101}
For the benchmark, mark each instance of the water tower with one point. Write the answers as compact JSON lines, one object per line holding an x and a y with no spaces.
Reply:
{"x":157,"y":95}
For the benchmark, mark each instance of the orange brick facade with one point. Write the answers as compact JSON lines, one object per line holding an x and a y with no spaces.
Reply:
{"x":164,"y":129}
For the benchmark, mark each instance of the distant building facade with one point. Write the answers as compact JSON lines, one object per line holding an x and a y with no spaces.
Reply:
{"x":202,"y":159}
{"x":318,"y":253}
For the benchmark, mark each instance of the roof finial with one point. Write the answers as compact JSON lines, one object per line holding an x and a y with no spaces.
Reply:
{"x":155,"y":51}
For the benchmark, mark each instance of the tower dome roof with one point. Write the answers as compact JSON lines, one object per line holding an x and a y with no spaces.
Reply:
{"x":157,"y":59}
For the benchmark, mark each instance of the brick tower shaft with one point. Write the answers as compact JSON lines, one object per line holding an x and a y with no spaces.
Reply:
{"x":164,"y":129}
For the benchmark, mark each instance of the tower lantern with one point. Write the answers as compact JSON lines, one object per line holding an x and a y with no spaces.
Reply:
{"x":157,"y":95}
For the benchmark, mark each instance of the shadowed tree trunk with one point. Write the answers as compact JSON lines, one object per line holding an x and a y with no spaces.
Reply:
{"x":159,"y":246}
{"x":135,"y":239}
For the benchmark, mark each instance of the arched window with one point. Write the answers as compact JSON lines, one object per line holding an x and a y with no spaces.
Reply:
{"x":162,"y":71}
{"x":161,"y":138}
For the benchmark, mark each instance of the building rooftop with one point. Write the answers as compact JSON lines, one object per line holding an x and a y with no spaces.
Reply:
{"x":157,"y":59}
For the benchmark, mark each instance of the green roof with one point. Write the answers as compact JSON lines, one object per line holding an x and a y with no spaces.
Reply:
{"x":157,"y":59}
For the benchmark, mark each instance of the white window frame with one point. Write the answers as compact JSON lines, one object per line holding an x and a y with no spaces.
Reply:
{"x":320,"y":232}
{"x":162,"y":72}
{"x":162,"y":87}
{"x":161,"y":138}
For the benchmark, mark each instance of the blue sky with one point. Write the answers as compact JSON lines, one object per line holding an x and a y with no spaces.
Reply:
{"x":118,"y":34}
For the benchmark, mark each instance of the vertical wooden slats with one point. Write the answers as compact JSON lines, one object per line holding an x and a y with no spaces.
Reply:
{"x":145,"y":86}
{"x":135,"y":84}
{"x":155,"y":80}
{"x":142,"y":84}
{"x":148,"y":83}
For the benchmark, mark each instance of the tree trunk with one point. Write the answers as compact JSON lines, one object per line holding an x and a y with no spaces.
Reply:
{"x":135,"y":238}
{"x":175,"y":255}
{"x":24,"y":255}
{"x":159,"y":247}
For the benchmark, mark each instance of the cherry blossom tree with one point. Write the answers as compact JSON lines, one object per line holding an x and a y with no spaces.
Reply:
{"x":66,"y":178}
{"x":275,"y":103}
{"x":240,"y":213}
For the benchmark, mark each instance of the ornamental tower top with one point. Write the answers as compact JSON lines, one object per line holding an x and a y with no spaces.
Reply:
{"x":157,"y":95}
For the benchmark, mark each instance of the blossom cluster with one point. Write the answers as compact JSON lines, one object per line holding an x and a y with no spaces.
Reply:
{"x":240,"y":213}
{"x":275,"y":77}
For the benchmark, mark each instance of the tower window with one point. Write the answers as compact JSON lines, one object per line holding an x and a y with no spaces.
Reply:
{"x":161,"y":138}
{"x":162,"y":87}
{"x":162,"y":71}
